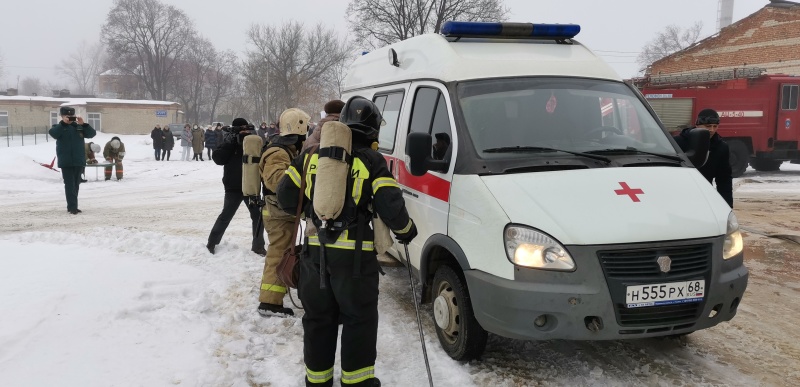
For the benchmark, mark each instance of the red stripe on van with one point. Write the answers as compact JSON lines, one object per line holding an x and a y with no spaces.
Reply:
{"x":427,"y":184}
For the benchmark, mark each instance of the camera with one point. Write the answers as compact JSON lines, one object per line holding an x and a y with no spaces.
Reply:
{"x":72,"y":118}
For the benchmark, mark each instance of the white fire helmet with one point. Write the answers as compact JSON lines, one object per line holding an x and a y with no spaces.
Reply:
{"x":294,"y":121}
{"x":115,"y":144}
{"x":94,"y":147}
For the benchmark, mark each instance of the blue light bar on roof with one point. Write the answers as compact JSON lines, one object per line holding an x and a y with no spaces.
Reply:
{"x":510,"y":30}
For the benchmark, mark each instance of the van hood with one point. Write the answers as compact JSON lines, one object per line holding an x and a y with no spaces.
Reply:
{"x":613,"y":205}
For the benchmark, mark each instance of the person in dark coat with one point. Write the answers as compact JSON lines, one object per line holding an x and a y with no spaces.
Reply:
{"x":158,"y":140}
{"x":168,"y":144}
{"x":717,"y":168}
{"x":211,"y":139}
{"x":70,"y":134}
{"x":229,"y":154}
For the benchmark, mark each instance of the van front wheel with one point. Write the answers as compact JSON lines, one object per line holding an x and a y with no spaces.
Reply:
{"x":459,"y":332}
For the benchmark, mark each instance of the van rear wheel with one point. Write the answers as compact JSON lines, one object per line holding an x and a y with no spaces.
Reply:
{"x":765,"y":165}
{"x":460,"y":334}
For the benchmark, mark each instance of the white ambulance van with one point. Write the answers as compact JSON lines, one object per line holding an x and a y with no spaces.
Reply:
{"x":550,"y":201}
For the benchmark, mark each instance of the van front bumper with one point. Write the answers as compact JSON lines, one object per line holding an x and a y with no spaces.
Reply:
{"x":589,"y":303}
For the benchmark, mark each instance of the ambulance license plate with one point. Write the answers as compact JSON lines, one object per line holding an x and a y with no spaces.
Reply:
{"x":638,"y":296}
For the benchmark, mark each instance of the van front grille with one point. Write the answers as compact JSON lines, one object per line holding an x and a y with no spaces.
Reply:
{"x":657,"y":315}
{"x":642,"y":264}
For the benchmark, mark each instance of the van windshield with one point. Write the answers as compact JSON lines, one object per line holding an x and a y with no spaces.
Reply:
{"x":537,"y":117}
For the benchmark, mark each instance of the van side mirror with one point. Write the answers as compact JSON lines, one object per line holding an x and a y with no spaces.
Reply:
{"x":418,"y":150}
{"x":699,"y":142}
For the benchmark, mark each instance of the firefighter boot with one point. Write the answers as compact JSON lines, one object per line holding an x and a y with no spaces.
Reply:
{"x":267,"y":310}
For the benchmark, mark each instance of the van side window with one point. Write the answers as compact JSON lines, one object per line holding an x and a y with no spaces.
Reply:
{"x":389,"y":105}
{"x":430,"y":116}
{"x":789,"y":99}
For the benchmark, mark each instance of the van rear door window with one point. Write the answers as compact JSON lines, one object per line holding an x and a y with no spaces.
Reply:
{"x":389,"y":105}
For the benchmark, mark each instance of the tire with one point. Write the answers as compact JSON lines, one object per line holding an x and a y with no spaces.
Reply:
{"x":765,"y":165}
{"x":739,"y":157}
{"x":462,"y":338}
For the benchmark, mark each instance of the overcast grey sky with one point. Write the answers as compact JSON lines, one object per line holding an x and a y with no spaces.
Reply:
{"x":33,"y":38}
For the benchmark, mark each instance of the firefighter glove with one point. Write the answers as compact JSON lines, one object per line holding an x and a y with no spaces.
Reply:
{"x":406,"y":238}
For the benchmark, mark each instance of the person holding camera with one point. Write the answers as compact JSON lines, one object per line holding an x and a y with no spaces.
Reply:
{"x":229,"y":154}
{"x":70,"y":133}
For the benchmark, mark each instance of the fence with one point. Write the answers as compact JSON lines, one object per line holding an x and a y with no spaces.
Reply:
{"x":21,"y":136}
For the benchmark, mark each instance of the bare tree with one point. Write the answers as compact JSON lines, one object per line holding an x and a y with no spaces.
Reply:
{"x":83,"y":66}
{"x":32,"y":86}
{"x":221,"y":80}
{"x":145,"y":38}
{"x":382,"y":22}
{"x":293,"y":66}
{"x":191,"y":74}
{"x":669,"y":41}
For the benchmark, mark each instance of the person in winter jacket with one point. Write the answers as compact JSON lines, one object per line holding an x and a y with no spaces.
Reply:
{"x":211,"y":138}
{"x":229,"y":154}
{"x":90,"y":148}
{"x":332,"y":110}
{"x":717,"y":168}
{"x":349,"y":267}
{"x":169,"y":143}
{"x":198,"y":138}
{"x":158,"y":140}
{"x":70,"y":133}
{"x":272,"y":130}
{"x":114,"y":152}
{"x":186,"y":142}
{"x":275,"y":160}
{"x":262,"y":132}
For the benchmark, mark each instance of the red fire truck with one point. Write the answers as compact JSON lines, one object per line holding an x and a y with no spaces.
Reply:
{"x":759,"y":113}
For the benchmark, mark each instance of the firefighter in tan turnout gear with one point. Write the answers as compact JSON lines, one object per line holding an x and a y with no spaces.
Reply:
{"x":275,"y":160}
{"x":339,"y":270}
{"x":114,"y":152}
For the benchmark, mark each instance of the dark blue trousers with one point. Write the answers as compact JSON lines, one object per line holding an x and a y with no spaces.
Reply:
{"x":72,"y":182}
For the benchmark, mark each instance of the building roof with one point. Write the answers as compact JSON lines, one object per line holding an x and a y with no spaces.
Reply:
{"x":771,"y":34}
{"x":432,"y":56}
{"x":86,"y":101}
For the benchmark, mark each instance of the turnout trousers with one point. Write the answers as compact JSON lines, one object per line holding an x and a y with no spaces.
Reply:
{"x":279,"y":232}
{"x":117,"y":167}
{"x":72,"y":183}
{"x":354,"y":301}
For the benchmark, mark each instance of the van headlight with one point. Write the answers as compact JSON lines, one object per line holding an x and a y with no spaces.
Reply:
{"x":531,"y":248}
{"x":733,"y":244}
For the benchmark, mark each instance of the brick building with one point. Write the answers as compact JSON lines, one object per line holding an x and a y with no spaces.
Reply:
{"x":769,"y":39}
{"x":116,"y":116}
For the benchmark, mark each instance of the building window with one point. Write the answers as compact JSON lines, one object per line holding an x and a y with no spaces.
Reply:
{"x":789,"y":98}
{"x":3,"y":119}
{"x":54,"y":118}
{"x":94,"y":121}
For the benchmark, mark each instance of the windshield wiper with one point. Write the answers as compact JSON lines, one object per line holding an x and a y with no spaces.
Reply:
{"x":512,"y":149}
{"x":630,"y":150}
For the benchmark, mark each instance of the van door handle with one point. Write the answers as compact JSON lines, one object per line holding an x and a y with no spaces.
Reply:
{"x":391,"y":168}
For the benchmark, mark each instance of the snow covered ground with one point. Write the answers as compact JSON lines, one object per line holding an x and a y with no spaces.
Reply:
{"x":126,"y":294}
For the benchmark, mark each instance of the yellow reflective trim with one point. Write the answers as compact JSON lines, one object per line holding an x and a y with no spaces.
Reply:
{"x":342,"y":244}
{"x":358,"y":170}
{"x":312,"y":170}
{"x":292,"y":172}
{"x":383,"y":182}
{"x":318,"y":377}
{"x":406,"y":229}
{"x":357,"y":188}
{"x":265,"y":212}
{"x":358,"y":376}
{"x":273,"y":288}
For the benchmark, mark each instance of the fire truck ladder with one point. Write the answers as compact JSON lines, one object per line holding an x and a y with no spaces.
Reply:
{"x":706,"y":77}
